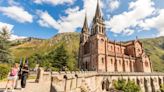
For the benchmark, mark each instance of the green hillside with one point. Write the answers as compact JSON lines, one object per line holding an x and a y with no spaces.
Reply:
{"x":153,"y":47}
{"x":40,"y":46}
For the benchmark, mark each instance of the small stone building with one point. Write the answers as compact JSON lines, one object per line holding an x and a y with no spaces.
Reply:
{"x":98,"y":53}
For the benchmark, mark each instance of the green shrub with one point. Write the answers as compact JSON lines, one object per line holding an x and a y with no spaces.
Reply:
{"x":162,"y":87}
{"x":4,"y":70}
{"x":124,"y":86}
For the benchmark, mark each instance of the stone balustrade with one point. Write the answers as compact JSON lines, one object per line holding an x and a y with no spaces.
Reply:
{"x":91,"y":81}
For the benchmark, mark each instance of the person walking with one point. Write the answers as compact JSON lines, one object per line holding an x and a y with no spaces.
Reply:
{"x":19,"y":72}
{"x":12,"y":77}
{"x":25,"y":71}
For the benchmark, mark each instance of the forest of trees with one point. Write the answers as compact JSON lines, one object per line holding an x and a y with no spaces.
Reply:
{"x":55,"y":60}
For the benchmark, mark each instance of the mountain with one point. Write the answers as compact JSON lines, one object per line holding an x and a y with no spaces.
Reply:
{"x":154,"y":47}
{"x":39,"y":46}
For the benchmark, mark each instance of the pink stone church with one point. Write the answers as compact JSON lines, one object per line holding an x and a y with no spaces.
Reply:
{"x":98,"y":53}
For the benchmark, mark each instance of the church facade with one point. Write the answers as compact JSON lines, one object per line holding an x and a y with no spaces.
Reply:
{"x":98,"y":53}
{"x":105,"y":61}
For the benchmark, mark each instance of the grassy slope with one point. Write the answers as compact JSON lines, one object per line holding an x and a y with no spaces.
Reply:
{"x":153,"y":47}
{"x":34,"y":46}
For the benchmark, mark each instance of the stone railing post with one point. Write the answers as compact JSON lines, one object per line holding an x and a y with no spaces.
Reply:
{"x":40,"y":73}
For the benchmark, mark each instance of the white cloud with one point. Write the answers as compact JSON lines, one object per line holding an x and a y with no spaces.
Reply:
{"x":154,"y":22}
{"x":54,"y":2}
{"x":65,"y":24}
{"x":17,"y":13}
{"x":15,"y":37}
{"x":138,"y":10}
{"x":72,"y":10}
{"x":114,"y":4}
{"x":9,"y":28}
{"x":128,"y":32}
{"x":46,"y":20}
{"x":71,"y":22}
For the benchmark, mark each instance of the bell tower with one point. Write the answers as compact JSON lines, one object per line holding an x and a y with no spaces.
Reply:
{"x":98,"y":41}
{"x":84,"y":38}
{"x":98,"y":26}
{"x":85,"y":32}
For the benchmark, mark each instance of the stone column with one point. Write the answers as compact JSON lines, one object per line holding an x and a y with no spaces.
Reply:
{"x":147,"y":85}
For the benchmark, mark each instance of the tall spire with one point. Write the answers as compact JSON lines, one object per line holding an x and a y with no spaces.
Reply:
{"x":98,"y":12}
{"x":85,"y":26}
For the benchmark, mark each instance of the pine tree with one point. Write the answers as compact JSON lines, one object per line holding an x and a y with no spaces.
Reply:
{"x":60,"y":57}
{"x":5,"y":56}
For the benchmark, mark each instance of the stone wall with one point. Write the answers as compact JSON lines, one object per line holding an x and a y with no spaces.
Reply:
{"x":89,"y":81}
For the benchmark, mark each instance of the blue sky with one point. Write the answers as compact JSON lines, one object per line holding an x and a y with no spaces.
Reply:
{"x":125,"y":19}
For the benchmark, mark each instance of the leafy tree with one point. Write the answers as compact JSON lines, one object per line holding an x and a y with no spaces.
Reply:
{"x":124,"y":86}
{"x":5,"y":56}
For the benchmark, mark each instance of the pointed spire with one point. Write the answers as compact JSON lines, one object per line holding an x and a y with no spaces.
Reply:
{"x":85,"y":26}
{"x":98,"y":12}
{"x":85,"y":22}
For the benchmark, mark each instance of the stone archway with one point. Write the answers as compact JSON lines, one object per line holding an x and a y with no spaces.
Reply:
{"x":103,"y":85}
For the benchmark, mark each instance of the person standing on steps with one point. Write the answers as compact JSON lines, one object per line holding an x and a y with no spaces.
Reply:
{"x":19,"y":73}
{"x":12,"y":77}
{"x":24,"y":76}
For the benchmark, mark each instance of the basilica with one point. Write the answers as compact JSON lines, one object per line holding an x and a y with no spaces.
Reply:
{"x":98,"y":53}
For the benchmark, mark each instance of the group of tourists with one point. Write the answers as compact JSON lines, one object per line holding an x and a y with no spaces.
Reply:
{"x":18,"y":71}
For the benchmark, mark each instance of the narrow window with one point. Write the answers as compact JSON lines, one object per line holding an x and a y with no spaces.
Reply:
{"x":111,"y":61}
{"x":103,"y":60}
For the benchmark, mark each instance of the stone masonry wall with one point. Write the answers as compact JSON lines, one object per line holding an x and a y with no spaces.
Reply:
{"x":94,"y":81}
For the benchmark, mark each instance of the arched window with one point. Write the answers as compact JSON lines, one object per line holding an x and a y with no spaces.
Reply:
{"x":146,"y":64}
{"x":86,"y":65}
{"x":100,"y":29}
{"x":111,"y":61}
{"x":103,"y":60}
